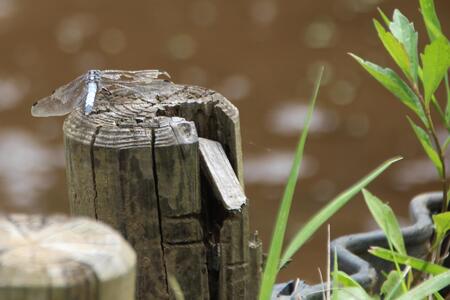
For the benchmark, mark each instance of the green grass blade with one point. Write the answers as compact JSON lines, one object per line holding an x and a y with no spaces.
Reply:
{"x":175,"y":287}
{"x":428,"y":287}
{"x":325,"y":213}
{"x":415,"y":263}
{"x":385,"y":218}
{"x":276,"y":244}
{"x":386,"y":20}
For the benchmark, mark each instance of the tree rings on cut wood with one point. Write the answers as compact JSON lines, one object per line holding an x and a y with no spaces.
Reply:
{"x":134,"y":163}
{"x":61,"y":258}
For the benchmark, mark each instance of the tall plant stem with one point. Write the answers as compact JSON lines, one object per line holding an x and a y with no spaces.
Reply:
{"x":436,"y":254}
{"x":432,"y":131}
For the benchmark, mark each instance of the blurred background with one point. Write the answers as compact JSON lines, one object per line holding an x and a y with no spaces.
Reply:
{"x":263,"y":55}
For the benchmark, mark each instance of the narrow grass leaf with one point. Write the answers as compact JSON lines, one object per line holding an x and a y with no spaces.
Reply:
{"x":438,"y":296}
{"x":427,"y":146}
{"x":329,"y":210}
{"x":351,"y":293}
{"x":395,"y":48}
{"x":175,"y":287}
{"x":441,"y":226}
{"x":404,"y":32}
{"x":345,"y":287}
{"x":386,"y":20}
{"x":391,"y":81}
{"x":428,"y":287}
{"x":385,"y":218}
{"x":273,"y":258}
{"x":430,"y":19}
{"x":415,"y":263}
{"x":391,"y":286}
{"x":446,"y":143}
{"x":435,"y":63}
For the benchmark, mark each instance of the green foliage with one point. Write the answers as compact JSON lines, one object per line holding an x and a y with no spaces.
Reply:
{"x":405,"y":33}
{"x":425,"y":141}
{"x":428,"y":287}
{"x":391,"y":81}
{"x":395,"y":48}
{"x":273,"y":258}
{"x":385,"y":218}
{"x":347,"y":288}
{"x":273,"y":262}
{"x":175,"y":287}
{"x":329,"y":210}
{"x":435,"y":62}
{"x":413,"y":262}
{"x":441,"y":226}
{"x":430,"y":19}
{"x":391,"y":286}
{"x":401,"y":42}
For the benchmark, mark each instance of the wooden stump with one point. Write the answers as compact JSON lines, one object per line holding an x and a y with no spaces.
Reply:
{"x":60,"y":258}
{"x":135,"y":164}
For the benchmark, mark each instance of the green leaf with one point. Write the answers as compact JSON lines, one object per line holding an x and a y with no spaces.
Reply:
{"x":430,"y":19}
{"x":415,"y":263}
{"x":385,"y":218}
{"x":175,"y":287}
{"x":344,"y":280}
{"x":435,"y":62}
{"x":395,"y":48}
{"x":384,"y":17}
{"x":273,"y":258}
{"x":391,"y":286}
{"x":391,"y":81}
{"x":351,"y":293}
{"x":345,"y":287}
{"x":405,"y":33}
{"x":441,"y":225}
{"x":428,"y":287}
{"x":446,"y":143}
{"x":425,"y":141}
{"x":447,"y":107}
{"x":325,"y":213}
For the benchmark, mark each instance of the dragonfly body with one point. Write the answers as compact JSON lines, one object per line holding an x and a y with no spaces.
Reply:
{"x":92,"y":87}
{"x":82,"y":91}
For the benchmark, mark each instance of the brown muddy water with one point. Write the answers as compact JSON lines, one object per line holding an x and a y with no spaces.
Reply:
{"x":262,"y":55}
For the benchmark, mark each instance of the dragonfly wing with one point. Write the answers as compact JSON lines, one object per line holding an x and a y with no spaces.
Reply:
{"x":63,"y":100}
{"x":132,"y":76}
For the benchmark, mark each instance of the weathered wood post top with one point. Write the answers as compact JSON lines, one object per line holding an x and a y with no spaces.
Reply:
{"x":61,"y":258}
{"x":162,"y":164}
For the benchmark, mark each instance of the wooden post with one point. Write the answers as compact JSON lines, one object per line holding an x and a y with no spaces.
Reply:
{"x":61,"y":258}
{"x":135,"y":164}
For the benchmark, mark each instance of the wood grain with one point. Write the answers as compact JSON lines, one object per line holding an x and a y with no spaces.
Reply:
{"x":134,"y":163}
{"x":56,"y":258}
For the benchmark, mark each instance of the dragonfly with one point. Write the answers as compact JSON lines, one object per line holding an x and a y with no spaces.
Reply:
{"x":83,"y":90}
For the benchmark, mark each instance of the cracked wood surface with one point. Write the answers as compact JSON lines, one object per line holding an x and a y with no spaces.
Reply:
{"x":134,"y":164}
{"x":56,"y":258}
